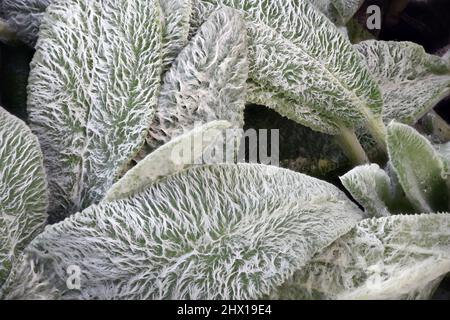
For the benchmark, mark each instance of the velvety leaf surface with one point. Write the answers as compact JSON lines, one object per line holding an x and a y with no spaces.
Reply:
{"x":210,"y":232}
{"x":23,"y":190}
{"x":206,"y":82}
{"x":419,"y":168}
{"x":396,"y":257}
{"x":92,"y":93}
{"x":412,"y":82}
{"x":295,"y":50}
{"x":176,"y":155}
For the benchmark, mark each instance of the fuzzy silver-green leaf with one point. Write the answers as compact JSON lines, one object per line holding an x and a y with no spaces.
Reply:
{"x":371,"y":187}
{"x":206,"y":82}
{"x":412,"y":82}
{"x":395,"y":257}
{"x":168,"y":159}
{"x":295,"y":50}
{"x":210,"y":232}
{"x":92,"y":93}
{"x":23,"y":190}
{"x":419,"y":168}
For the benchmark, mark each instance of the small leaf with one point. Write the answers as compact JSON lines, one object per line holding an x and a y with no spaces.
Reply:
{"x":392,"y":257}
{"x":206,"y":82}
{"x":166,"y":160}
{"x":419,"y":168}
{"x":377,"y":191}
{"x":371,"y":187}
{"x":91,"y":108}
{"x":211,"y":232}
{"x":23,"y":190}
{"x":412,"y":81}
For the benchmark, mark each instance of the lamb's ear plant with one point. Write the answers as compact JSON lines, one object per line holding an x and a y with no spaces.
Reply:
{"x":297,"y":51}
{"x":23,"y":190}
{"x":412,"y":82}
{"x":415,"y":180}
{"x":90,"y":109}
{"x":210,"y":232}
{"x":396,"y":257}
{"x":175,"y":28}
{"x":206,"y":82}
{"x":180,"y":153}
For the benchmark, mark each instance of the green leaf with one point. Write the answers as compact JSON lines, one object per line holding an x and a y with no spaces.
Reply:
{"x":295,"y":50}
{"x":378,"y":191}
{"x":175,"y":29}
{"x":371,"y":187}
{"x":338,"y":11}
{"x":211,"y":232}
{"x":168,"y":159}
{"x":206,"y":82}
{"x":419,"y":168}
{"x":412,"y":81}
{"x":23,"y":190}
{"x":290,"y":108}
{"x":91,"y":108}
{"x":394,"y":257}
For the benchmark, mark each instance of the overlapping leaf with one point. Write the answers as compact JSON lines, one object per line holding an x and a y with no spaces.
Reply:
{"x":23,"y":190}
{"x":378,"y":191}
{"x":206,"y":82}
{"x":295,"y":50}
{"x":211,"y":232}
{"x":176,"y":15}
{"x":419,"y":168}
{"x":290,"y":108}
{"x":92,"y":93}
{"x":178,"y":154}
{"x":412,"y":81}
{"x":371,"y":187}
{"x":395,"y":257}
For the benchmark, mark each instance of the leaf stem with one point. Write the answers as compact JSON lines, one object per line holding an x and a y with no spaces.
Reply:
{"x":349,"y":143}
